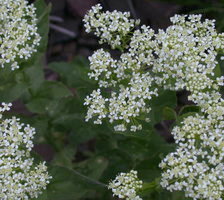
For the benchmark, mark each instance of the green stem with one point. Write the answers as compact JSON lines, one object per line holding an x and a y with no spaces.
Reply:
{"x":90,"y":180}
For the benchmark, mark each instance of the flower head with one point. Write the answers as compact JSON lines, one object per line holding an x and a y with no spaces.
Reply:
{"x":126,"y":186}
{"x":20,"y":178}
{"x":111,"y":27}
{"x":18,"y":32}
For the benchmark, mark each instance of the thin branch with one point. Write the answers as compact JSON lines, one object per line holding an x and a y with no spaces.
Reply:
{"x":63,"y":30}
{"x":90,"y":180}
{"x":56,"y":19}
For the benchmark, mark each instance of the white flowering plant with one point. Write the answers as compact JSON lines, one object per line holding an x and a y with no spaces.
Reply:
{"x":20,"y":39}
{"x":185,"y":56}
{"x":99,"y":122}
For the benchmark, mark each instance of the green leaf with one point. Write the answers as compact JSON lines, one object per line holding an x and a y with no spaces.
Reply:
{"x":65,"y":157}
{"x":42,"y":11}
{"x":165,"y":99}
{"x":65,"y":185}
{"x":217,"y":71}
{"x":38,"y":105}
{"x":10,"y":92}
{"x":72,"y":184}
{"x":33,"y":68}
{"x":75,"y":75}
{"x":34,"y":75}
{"x":189,"y":108}
{"x":169,"y":114}
{"x":46,"y":98}
{"x":53,"y":90}
{"x":93,"y":167}
{"x":149,"y":187}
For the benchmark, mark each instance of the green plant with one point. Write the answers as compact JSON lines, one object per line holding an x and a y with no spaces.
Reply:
{"x":127,"y":96}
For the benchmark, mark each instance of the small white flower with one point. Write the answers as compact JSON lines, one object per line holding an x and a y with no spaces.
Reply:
{"x":126,"y":185}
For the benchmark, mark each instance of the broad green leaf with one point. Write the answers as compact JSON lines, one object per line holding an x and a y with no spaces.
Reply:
{"x":65,"y":185}
{"x":10,"y":92}
{"x":93,"y":167}
{"x":65,"y":157}
{"x":47,"y":96}
{"x":73,"y":184}
{"x":75,"y":75}
{"x":53,"y":90}
{"x":165,"y":99}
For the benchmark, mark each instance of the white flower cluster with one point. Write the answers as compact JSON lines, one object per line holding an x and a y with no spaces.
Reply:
{"x":20,"y":178}
{"x":189,"y":56}
{"x":126,"y":186}
{"x":18,"y":32}
{"x":123,"y":106}
{"x":104,"y":68}
{"x":97,"y":106}
{"x":197,"y":165}
{"x":111,"y":27}
{"x":184,"y":56}
{"x":130,"y":101}
{"x":132,"y":85}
